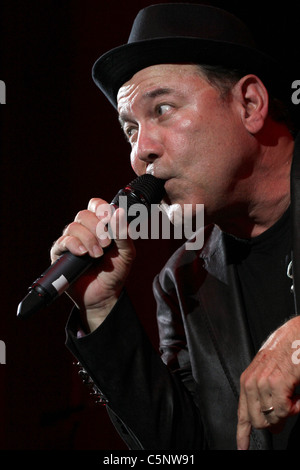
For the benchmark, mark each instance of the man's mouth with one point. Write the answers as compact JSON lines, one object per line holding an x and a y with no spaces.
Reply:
{"x":150,"y":169}
{"x":154,"y":171}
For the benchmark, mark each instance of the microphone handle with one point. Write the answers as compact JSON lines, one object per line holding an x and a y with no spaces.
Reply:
{"x":72,"y":267}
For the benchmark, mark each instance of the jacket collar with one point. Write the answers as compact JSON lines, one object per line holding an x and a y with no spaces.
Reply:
{"x":295,"y":213}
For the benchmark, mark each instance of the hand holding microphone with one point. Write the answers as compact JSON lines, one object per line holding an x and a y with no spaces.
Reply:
{"x":92,"y":272}
{"x":96,"y":293}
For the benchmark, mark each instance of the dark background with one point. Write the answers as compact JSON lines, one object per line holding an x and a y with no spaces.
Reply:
{"x":60,"y":145}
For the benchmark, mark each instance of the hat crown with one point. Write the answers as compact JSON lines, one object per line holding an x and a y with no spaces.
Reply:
{"x":189,"y":20}
{"x":185,"y":33}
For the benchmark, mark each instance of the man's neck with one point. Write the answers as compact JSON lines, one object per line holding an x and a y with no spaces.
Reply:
{"x":269,"y":192}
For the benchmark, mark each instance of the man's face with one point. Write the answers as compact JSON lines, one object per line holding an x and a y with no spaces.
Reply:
{"x":181,"y":129}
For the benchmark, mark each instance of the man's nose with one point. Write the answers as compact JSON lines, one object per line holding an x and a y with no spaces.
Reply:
{"x":149,"y":144}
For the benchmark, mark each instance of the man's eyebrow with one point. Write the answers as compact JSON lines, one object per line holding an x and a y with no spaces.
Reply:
{"x":158,"y":92}
{"x":123,"y":118}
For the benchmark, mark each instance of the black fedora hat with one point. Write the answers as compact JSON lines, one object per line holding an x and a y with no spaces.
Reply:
{"x":183,"y":32}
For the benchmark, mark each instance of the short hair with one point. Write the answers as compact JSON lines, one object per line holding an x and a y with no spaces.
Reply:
{"x":224,"y":80}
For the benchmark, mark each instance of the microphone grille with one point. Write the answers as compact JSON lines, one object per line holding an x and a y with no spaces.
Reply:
{"x":150,"y":188}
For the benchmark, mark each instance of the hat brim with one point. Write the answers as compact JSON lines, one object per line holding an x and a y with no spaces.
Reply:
{"x":117,"y":66}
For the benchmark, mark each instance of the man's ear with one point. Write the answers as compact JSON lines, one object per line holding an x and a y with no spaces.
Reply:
{"x":253,"y":99}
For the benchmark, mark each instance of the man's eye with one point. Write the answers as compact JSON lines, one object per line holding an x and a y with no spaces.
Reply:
{"x":129,"y":132}
{"x":163,"y":108}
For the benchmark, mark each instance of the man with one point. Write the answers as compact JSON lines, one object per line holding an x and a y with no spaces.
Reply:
{"x":200,"y":107}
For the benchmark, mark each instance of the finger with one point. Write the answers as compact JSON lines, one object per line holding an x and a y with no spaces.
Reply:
{"x":285,"y":404}
{"x":244,"y":425}
{"x":120,"y":233}
{"x":108,"y":227}
{"x":266,"y":400}
{"x":95,"y":202}
{"x":95,"y":222}
{"x":249,"y":410}
{"x":258,"y":390}
{"x":89,"y":219}
{"x":104,"y":212}
{"x":251,"y":398}
{"x":66,"y":243}
{"x":103,"y":233}
{"x":282,"y":393}
{"x":78,"y":239}
{"x":295,"y":408}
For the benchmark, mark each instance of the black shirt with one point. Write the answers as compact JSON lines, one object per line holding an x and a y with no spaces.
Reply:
{"x":261,"y":265}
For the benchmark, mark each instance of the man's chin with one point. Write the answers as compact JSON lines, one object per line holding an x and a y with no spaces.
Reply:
{"x":179,"y":214}
{"x":173,"y":212}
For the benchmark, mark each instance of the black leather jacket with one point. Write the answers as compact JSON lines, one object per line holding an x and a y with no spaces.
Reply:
{"x":188,"y":397}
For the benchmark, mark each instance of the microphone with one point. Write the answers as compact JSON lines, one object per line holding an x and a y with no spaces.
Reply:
{"x":146,"y":190}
